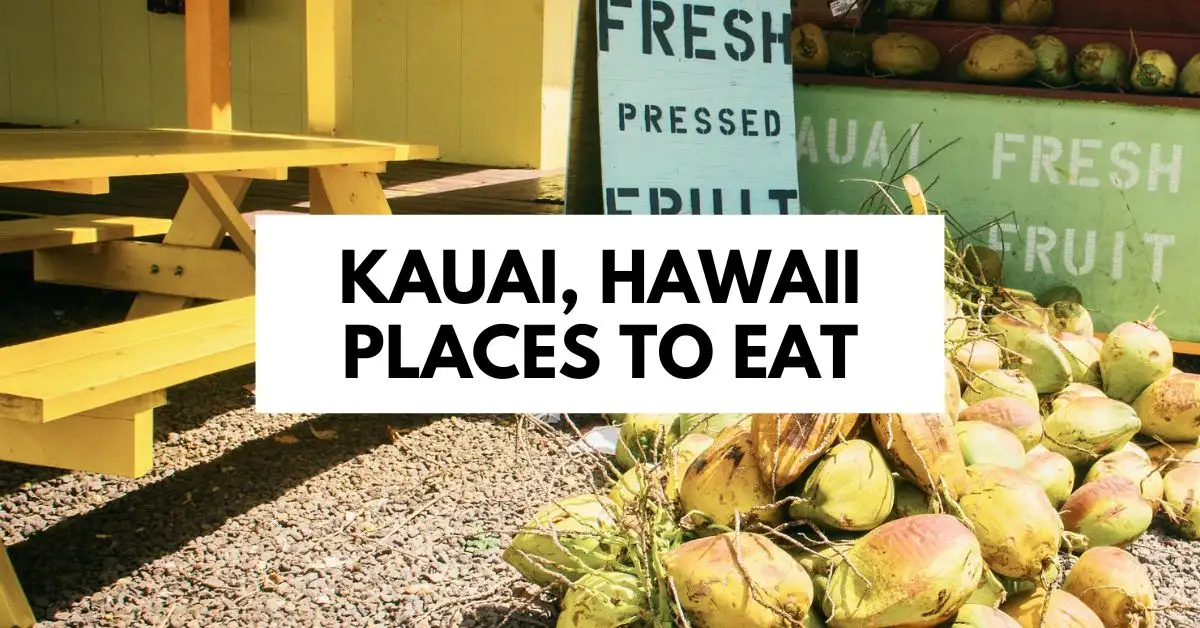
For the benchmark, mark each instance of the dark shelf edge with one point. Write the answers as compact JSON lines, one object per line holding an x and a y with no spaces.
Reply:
{"x":1177,"y":102}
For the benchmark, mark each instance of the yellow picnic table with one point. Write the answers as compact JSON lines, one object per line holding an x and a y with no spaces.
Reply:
{"x":85,"y":400}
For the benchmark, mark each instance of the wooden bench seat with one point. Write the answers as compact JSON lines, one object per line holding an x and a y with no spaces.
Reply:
{"x":32,"y":234}
{"x":84,"y":401}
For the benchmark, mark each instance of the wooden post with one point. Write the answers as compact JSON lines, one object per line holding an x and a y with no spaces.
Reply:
{"x":328,"y":78}
{"x":207,"y":58}
{"x":584,"y":179}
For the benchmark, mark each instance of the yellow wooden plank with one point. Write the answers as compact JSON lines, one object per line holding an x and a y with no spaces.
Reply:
{"x":329,"y":85}
{"x":31,"y":49}
{"x":168,"y":81}
{"x":56,"y":153}
{"x":226,"y":211}
{"x":276,"y":32}
{"x":267,"y":174}
{"x":81,"y":378}
{"x":434,"y":41}
{"x":14,"y":609}
{"x":348,"y":191}
{"x":559,"y":30}
{"x":501,"y":69}
{"x":129,"y":407}
{"x":194,"y":225}
{"x":381,"y":101}
{"x":210,"y":274}
{"x":5,"y":102}
{"x":125,"y":56}
{"x":207,"y":64}
{"x":93,"y":186}
{"x":122,"y":447}
{"x":54,"y":231}
{"x":78,"y":68}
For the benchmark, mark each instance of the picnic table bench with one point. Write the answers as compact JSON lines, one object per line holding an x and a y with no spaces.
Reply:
{"x":85,"y":401}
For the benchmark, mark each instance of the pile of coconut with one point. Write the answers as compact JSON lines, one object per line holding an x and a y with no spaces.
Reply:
{"x":1052,"y":442}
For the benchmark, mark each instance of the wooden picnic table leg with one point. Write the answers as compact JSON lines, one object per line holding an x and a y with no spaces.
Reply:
{"x":346,"y":190}
{"x":14,"y":608}
{"x":194,"y":225}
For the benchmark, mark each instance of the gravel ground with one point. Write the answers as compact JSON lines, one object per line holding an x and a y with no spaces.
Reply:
{"x":251,"y":519}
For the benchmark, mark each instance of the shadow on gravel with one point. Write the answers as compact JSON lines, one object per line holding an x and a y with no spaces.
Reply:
{"x":492,"y":616}
{"x":190,"y":405}
{"x":81,"y":555}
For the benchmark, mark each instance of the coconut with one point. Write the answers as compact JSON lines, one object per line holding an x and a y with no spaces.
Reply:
{"x":564,"y":539}
{"x":785,"y":445}
{"x":724,"y":482}
{"x":969,"y":10}
{"x":1031,"y":610}
{"x":1102,"y":65}
{"x":631,"y":484}
{"x":909,"y":499}
{"x":979,"y":356}
{"x":1083,"y":357}
{"x":849,"y":53}
{"x":1001,"y":383}
{"x":602,"y":599}
{"x":1170,"y":408}
{"x":850,"y":489}
{"x":985,"y":443}
{"x":1024,"y":306}
{"x":1189,"y":78}
{"x":984,"y":263}
{"x":1086,"y":428}
{"x":999,"y":58}
{"x":1030,"y":12}
{"x":1009,"y":414}
{"x":1154,"y":73}
{"x":904,"y":54}
{"x":978,"y":616}
{"x":810,"y":51}
{"x":916,"y":571}
{"x":1070,"y":317}
{"x":953,"y":390}
{"x":852,"y":424}
{"x":1181,"y":492}
{"x":1053,"y":472}
{"x":910,"y":9}
{"x":643,"y":436}
{"x":956,"y":322}
{"x":1135,"y":355}
{"x":1109,"y":512}
{"x":991,"y":591}
{"x":715,"y":576}
{"x":1072,"y":392}
{"x":1013,"y":546}
{"x":680,"y":457}
{"x":1112,"y":583}
{"x":1061,"y":292}
{"x":1136,"y":450}
{"x":1053,"y":68}
{"x":1132,"y":467}
{"x":707,"y":423}
{"x":1042,"y":359}
{"x":923,"y":449}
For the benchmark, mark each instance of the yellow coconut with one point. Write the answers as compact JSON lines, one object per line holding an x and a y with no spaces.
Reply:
{"x":917,"y":571}
{"x":1136,"y":450}
{"x":810,"y":50}
{"x":1132,"y":467}
{"x":1086,"y":428}
{"x":991,"y":591}
{"x":1170,"y":408}
{"x":1027,"y":12}
{"x":1110,"y":512}
{"x":1083,"y":357}
{"x":603,"y":599}
{"x":850,"y":489}
{"x":642,"y":438}
{"x":724,"y":482}
{"x":1112,"y":583}
{"x":1053,"y":472}
{"x":1181,"y":495}
{"x":785,"y":445}
{"x":910,"y":500}
{"x":565,"y":538}
{"x":1063,"y":611}
{"x":680,"y":457}
{"x":711,"y":576}
{"x":1020,"y":546}
{"x":978,"y":616}
{"x":923,"y":449}
{"x":1042,"y":359}
{"x":1134,"y":355}
{"x":979,"y":356}
{"x":1001,"y":383}
{"x":1075,"y":391}
{"x":631,"y":484}
{"x":1013,"y":415}
{"x":983,"y":442}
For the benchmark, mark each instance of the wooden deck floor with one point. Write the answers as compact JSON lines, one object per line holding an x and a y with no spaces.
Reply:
{"x":411,"y":187}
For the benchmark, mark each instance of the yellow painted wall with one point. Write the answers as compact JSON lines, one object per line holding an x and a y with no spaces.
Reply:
{"x":487,"y":81}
